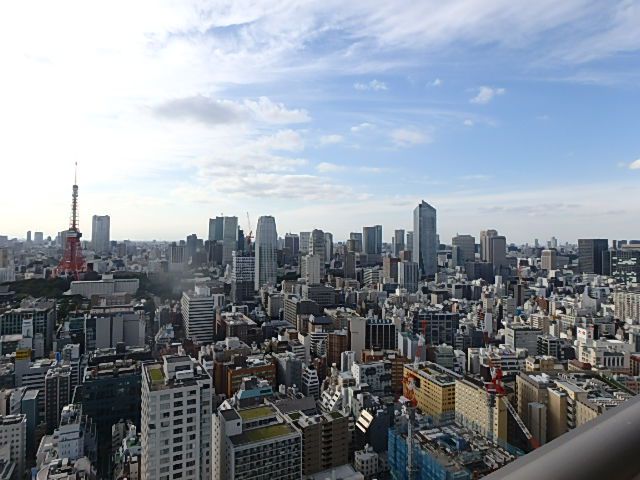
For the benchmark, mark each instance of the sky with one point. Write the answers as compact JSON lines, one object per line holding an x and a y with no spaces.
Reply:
{"x":515,"y":115}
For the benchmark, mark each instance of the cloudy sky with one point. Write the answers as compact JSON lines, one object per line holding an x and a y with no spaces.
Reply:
{"x":515,"y":115}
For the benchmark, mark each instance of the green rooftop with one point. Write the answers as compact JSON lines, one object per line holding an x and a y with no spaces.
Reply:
{"x":336,"y":415}
{"x":249,"y":414}
{"x":267,"y":433}
{"x":156,"y":375}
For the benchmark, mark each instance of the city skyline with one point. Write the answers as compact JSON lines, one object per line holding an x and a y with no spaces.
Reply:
{"x":299,"y":112}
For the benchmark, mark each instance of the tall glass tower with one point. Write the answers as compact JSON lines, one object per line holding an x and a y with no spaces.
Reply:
{"x":266,"y":245}
{"x":425,"y":242}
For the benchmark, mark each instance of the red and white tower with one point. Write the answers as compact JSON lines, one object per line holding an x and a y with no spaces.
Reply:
{"x":72,"y":263}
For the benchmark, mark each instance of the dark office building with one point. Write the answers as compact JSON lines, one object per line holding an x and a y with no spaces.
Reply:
{"x":590,"y":251}
{"x":110,"y":392}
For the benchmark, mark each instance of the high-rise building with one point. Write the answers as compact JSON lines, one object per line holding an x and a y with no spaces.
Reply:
{"x":425,"y":243}
{"x":304,"y":242}
{"x":349,"y":265}
{"x":177,"y":402}
{"x":292,"y":242}
{"x":549,"y":259}
{"x":408,"y":276}
{"x":229,"y":238}
{"x":398,"y":242}
{"x":328,"y":247}
{"x":256,"y":442}
{"x":498,"y":253}
{"x":265,"y":251}
{"x":467,"y":245}
{"x":177,"y":257}
{"x":243,"y":270}
{"x":590,"y":252}
{"x":311,"y":269}
{"x":101,"y":233}
{"x":409,"y":245}
{"x":198,"y":314}
{"x":38,"y":238}
{"x":485,"y":235}
{"x":57,"y":394}
{"x":390,"y":269}
{"x":28,"y":236}
{"x":216,"y":228}
{"x":357,"y":238}
{"x":317,"y":248}
{"x":372,"y":239}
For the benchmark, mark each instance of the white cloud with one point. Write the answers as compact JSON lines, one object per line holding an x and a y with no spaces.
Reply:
{"x":486,"y":94}
{"x":375,"y":85}
{"x":362,"y":127}
{"x":267,"y":111}
{"x":635,"y":165}
{"x":436,"y":83}
{"x":468,"y":123}
{"x":406,"y":137}
{"x":286,"y":140}
{"x":331,"y":139}
{"x":327,"y":167}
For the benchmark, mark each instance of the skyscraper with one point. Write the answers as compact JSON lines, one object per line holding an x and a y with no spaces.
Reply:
{"x":328,"y":247}
{"x":265,"y":249}
{"x":357,"y":239}
{"x":100,"y":233}
{"x":498,"y":253}
{"x":304,"y":242}
{"x":467,"y":246}
{"x":243,"y":271}
{"x":292,"y":242}
{"x":485,"y":235}
{"x":590,"y":252}
{"x":409,"y":245}
{"x":229,"y":238}
{"x":198,"y":314}
{"x":425,"y":247}
{"x":398,"y":242}
{"x":372,"y":239}
{"x":317,"y":248}
{"x":216,"y":227}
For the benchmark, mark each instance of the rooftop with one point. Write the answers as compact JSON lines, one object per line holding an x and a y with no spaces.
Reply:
{"x":261,"y":434}
{"x":249,"y":414}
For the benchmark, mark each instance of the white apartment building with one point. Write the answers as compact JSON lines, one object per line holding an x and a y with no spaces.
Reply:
{"x":13,"y":440}
{"x":375,"y":374}
{"x":177,"y":400}
{"x":198,"y":314}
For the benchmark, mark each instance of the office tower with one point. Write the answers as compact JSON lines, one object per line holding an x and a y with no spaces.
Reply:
{"x":357,"y":238}
{"x":548,"y":259}
{"x":328,"y":247}
{"x":304,"y":242}
{"x":110,"y":392}
{"x":485,"y":235}
{"x":13,"y":441}
{"x":425,"y":245}
{"x":192,"y":245}
{"x":177,"y":401}
{"x":398,"y":242}
{"x":101,"y":234}
{"x":317,"y":248}
{"x":57,"y":394}
{"x":229,"y":238}
{"x":554,"y":242}
{"x":28,"y":236}
{"x":408,"y":276}
{"x":409,"y":245}
{"x":467,"y":244}
{"x":265,"y":251}
{"x":288,"y":369}
{"x":256,"y":443}
{"x":292,"y":242}
{"x":390,"y":269}
{"x":177,"y":257}
{"x":198,"y":314}
{"x":243,"y":270}
{"x":311,"y":269}
{"x":590,"y":252}
{"x":310,"y":386}
{"x":216,"y":228}
{"x":498,"y":253}
{"x":38,"y":238}
{"x":624,"y":264}
{"x":372,"y":239}
{"x":349,"y":265}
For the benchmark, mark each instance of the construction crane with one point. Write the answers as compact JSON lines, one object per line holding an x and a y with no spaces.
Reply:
{"x":495,"y":388}
{"x":249,"y":237}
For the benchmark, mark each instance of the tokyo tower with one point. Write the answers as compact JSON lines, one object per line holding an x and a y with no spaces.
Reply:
{"x":72,"y":263}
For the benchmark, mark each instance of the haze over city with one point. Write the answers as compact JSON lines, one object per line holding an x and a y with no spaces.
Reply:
{"x":522,"y":116}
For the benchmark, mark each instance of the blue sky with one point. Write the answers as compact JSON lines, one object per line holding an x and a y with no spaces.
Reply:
{"x":520,"y":116}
